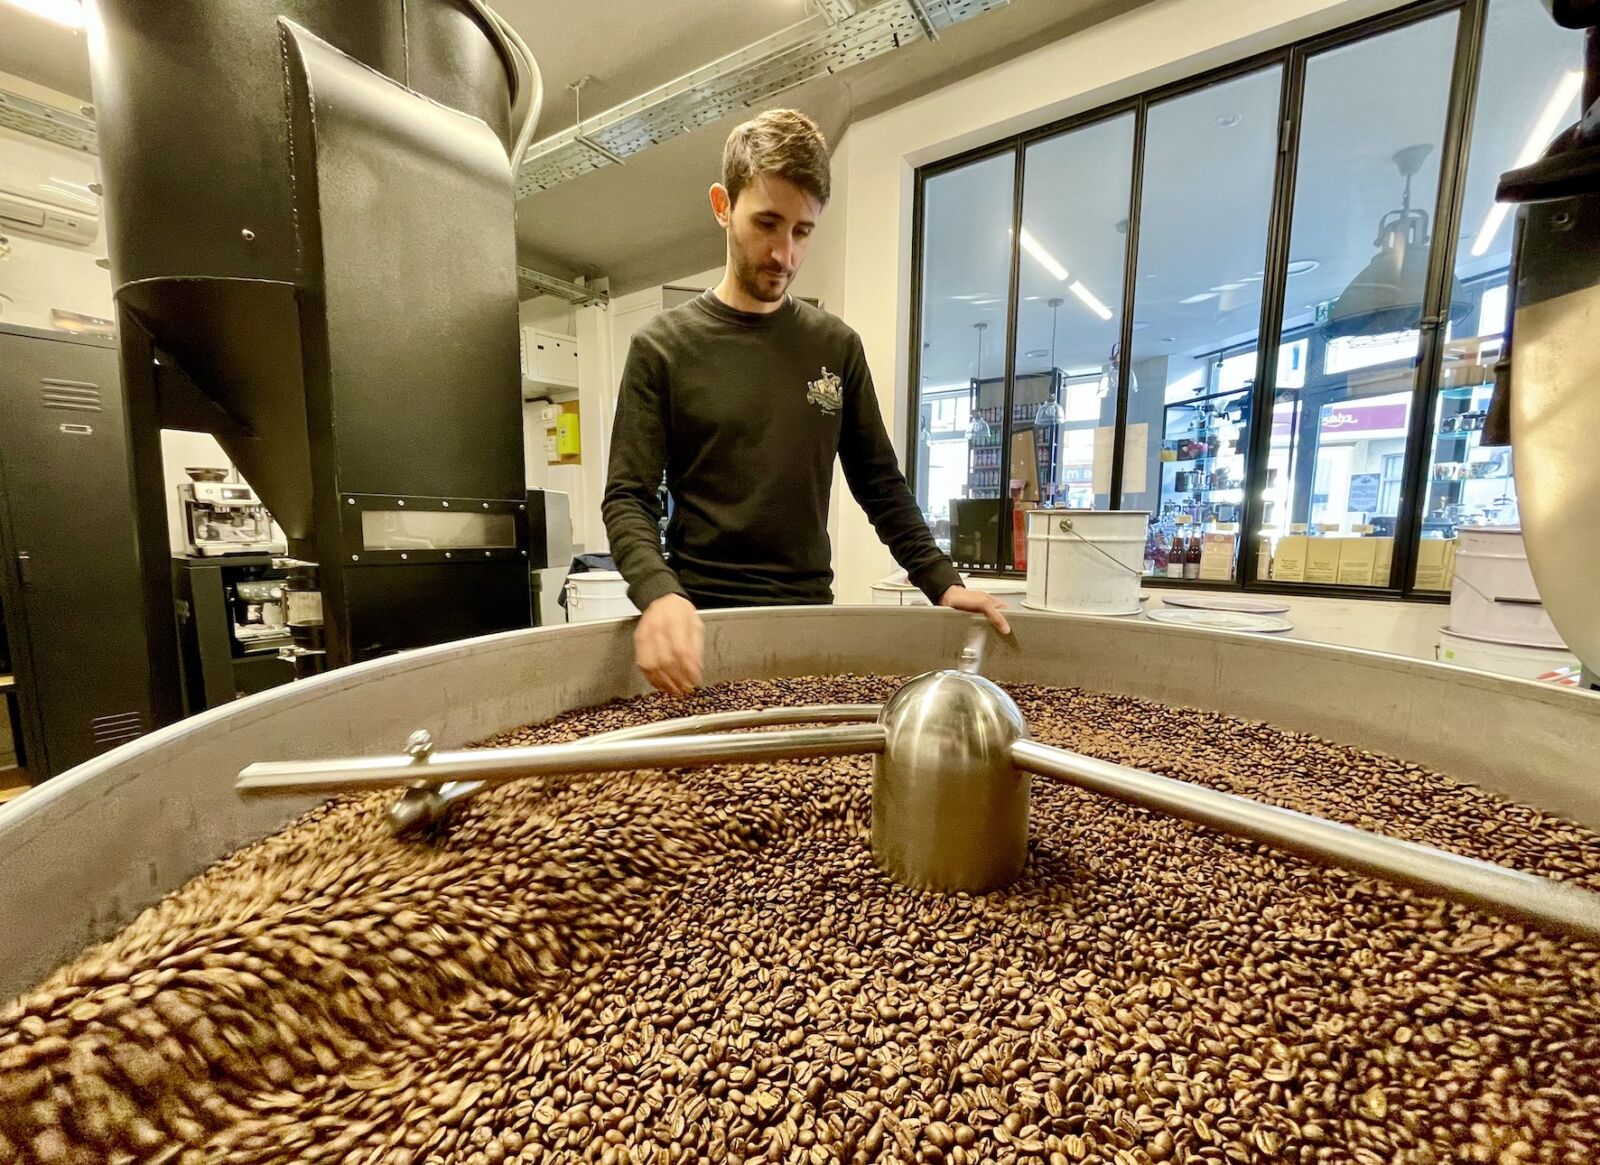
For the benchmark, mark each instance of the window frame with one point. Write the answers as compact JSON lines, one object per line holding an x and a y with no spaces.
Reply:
{"x":1292,"y":59}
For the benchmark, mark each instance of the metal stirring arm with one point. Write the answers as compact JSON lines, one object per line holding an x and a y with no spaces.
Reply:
{"x":427,"y":802}
{"x":1546,"y":904}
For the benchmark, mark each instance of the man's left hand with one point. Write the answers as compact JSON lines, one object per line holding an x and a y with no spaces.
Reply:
{"x":978,"y":603}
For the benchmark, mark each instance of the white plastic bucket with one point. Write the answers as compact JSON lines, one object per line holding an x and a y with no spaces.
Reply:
{"x":1085,"y":562}
{"x":1493,"y":595}
{"x":598,"y":594}
{"x":893,"y":594}
{"x":1507,"y":659}
{"x":890,"y":592}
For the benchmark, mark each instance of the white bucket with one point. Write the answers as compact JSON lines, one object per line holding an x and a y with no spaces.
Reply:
{"x":1493,"y":595}
{"x":1507,"y":659}
{"x":598,"y":594}
{"x":890,"y":592}
{"x":1086,"y":562}
{"x":893,"y":594}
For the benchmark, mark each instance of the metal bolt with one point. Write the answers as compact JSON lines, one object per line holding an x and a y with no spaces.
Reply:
{"x":445,"y":504}
{"x":419,"y":745}
{"x":1561,"y":221}
{"x":248,"y":235}
{"x":355,"y":558}
{"x":350,"y":501}
{"x":402,"y":501}
{"x":403,"y":554}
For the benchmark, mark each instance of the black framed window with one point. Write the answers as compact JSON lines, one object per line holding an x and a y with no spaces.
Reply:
{"x":964,"y":319}
{"x":1261,"y":304}
{"x":1197,"y":316}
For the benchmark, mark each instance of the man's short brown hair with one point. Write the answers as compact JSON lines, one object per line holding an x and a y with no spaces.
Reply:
{"x":782,"y":142}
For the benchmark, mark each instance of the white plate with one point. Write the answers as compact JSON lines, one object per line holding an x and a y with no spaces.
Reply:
{"x":1206,"y":602}
{"x":1221,"y":620}
{"x":1086,"y":614}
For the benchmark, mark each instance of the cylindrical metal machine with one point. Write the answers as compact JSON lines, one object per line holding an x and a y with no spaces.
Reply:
{"x":167,"y":805}
{"x":310,"y":222}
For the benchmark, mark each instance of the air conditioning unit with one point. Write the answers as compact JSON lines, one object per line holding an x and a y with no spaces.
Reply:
{"x":48,"y":214}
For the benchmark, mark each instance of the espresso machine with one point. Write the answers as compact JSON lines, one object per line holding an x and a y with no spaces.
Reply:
{"x":225,"y":517}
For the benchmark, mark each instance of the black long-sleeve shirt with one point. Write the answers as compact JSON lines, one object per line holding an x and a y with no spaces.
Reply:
{"x":744,"y":413}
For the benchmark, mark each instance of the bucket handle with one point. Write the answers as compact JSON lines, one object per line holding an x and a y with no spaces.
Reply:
{"x":1065,"y":526}
{"x":1503,"y":599}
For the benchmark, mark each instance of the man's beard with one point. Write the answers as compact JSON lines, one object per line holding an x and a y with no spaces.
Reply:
{"x":759,"y":282}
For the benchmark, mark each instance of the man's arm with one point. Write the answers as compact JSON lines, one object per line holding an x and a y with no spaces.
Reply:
{"x":638,"y":459}
{"x":875,"y":479}
{"x":669,"y":639}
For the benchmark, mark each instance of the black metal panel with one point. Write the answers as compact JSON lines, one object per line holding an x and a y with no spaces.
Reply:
{"x":424,"y":380}
{"x":448,"y":54}
{"x":72,"y":584}
{"x":394,"y":608}
{"x":413,"y":382}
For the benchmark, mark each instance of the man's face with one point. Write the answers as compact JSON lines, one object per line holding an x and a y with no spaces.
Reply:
{"x":769,"y":229}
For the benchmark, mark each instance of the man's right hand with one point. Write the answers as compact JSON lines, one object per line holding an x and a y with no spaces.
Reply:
{"x":669,"y":643}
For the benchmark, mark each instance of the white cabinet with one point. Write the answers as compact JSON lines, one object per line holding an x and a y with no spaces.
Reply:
{"x":549,"y":363}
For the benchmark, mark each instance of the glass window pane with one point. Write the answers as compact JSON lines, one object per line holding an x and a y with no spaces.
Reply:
{"x":1528,"y":91}
{"x":966,"y":279}
{"x":1366,"y":184}
{"x":1069,"y":318}
{"x":435,"y":530}
{"x":1209,"y":158}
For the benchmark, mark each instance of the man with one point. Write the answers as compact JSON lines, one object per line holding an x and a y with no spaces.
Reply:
{"x":742,"y":397}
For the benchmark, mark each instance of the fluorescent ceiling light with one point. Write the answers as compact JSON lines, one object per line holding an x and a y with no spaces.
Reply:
{"x":1046,"y":260}
{"x":67,"y":12}
{"x":1089,"y":300}
{"x":1201,"y":298}
{"x":1550,"y":119}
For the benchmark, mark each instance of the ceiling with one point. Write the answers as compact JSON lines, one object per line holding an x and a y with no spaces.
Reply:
{"x":647,"y":220}
{"x":1209,"y":165}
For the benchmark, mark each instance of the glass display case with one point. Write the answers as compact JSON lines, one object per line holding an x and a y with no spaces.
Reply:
{"x":1202,"y":464}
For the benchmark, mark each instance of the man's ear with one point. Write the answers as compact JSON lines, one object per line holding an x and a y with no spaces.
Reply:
{"x":721,"y":204}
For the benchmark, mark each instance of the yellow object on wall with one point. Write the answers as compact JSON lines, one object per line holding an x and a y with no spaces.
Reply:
{"x":569,"y":436}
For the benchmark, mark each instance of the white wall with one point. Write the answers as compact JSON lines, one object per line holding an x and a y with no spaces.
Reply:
{"x":39,"y":274}
{"x":875,"y":161}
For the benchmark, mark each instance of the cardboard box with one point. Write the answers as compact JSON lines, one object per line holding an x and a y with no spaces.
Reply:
{"x":1322,"y":559}
{"x":1216,"y":555}
{"x":1357,"y":559}
{"x":1382,"y":561}
{"x":1435,"y":564}
{"x":1289,"y":559}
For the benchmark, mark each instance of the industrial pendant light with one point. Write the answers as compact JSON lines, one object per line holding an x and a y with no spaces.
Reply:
{"x":1387,"y":296}
{"x":1050,"y":411}
{"x":978,"y":429}
{"x":1109,"y":376}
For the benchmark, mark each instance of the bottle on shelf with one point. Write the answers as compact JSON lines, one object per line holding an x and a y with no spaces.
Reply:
{"x":1191,"y":558}
{"x":1176,"y":554}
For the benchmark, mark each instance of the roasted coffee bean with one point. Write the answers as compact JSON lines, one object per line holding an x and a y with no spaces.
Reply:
{"x":706,"y":966}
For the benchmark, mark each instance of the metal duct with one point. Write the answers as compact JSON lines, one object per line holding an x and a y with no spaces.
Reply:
{"x":309,"y":217}
{"x":842,"y":35}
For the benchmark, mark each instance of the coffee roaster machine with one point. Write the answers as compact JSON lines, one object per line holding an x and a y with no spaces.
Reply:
{"x":310,"y":214}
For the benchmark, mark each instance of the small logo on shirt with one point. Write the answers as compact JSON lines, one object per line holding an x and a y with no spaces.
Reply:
{"x":825,"y":393}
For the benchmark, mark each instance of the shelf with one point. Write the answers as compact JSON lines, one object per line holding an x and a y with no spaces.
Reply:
{"x":1460,"y":480}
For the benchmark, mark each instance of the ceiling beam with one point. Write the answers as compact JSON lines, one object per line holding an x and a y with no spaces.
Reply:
{"x":819,"y":46}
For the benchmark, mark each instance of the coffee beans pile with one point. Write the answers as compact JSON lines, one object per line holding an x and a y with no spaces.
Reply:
{"x":707,"y":966}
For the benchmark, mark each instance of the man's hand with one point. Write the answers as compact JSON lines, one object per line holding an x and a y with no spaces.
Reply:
{"x":977,"y":602}
{"x":669,"y":643}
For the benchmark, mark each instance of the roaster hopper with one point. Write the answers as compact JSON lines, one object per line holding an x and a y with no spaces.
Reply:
{"x":82,"y":854}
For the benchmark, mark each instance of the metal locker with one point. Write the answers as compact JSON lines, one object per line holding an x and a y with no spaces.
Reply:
{"x":70,"y":585}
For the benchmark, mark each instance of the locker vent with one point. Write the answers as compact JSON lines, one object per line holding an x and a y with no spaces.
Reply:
{"x":116,"y":729}
{"x":74,"y":395}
